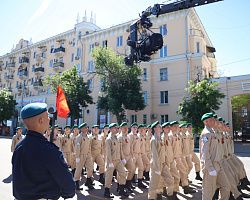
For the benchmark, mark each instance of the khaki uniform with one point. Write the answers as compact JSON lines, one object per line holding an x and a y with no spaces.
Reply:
{"x":177,"y":149}
{"x":83,"y":152}
{"x":126,"y":154}
{"x":195,"y":159}
{"x":57,"y":141}
{"x":148,"y":148}
{"x":73,"y":150}
{"x":66,"y":148}
{"x":211,"y":156}
{"x":16,"y":138}
{"x":187,"y":156}
{"x":104,"y":137}
{"x":156,"y":167}
{"x":145,"y":160}
{"x":113,"y":161}
{"x":136,"y":153}
{"x":97,"y":152}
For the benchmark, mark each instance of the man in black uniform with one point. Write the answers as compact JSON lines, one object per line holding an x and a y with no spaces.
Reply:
{"x":38,"y":167}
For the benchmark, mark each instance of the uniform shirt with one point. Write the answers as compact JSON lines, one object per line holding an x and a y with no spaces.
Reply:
{"x":142,"y":143}
{"x":191,"y":140}
{"x":135,"y":143}
{"x":39,"y":170}
{"x":158,"y":153}
{"x":125,"y":146}
{"x":16,"y":138}
{"x":177,"y":146}
{"x":66,"y":144}
{"x":96,"y":145}
{"x":185,"y":144}
{"x":168,"y":144}
{"x":113,"y":149}
{"x":148,"y":138}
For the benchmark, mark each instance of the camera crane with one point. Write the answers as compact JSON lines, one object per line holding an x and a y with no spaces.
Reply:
{"x":150,"y":42}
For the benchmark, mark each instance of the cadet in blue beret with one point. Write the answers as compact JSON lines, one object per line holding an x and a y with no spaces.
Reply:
{"x":43,"y":173}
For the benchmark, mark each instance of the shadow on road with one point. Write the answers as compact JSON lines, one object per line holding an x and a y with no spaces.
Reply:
{"x":8,"y":179}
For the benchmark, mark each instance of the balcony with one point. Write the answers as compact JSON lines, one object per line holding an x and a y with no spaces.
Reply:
{"x":24,"y":60}
{"x":11,"y":65}
{"x":1,"y":65}
{"x":58,"y":51}
{"x":39,"y":70}
{"x":40,"y":57}
{"x":8,"y":77}
{"x":19,"y":88}
{"x":10,"y":89}
{"x":58,"y":65}
{"x":22,"y":74}
{"x":37,"y":84}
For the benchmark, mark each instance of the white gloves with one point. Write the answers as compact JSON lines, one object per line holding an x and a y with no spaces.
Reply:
{"x":77,"y":160}
{"x":158,"y":172}
{"x":213,"y":173}
{"x":111,"y":165}
{"x":124,"y":161}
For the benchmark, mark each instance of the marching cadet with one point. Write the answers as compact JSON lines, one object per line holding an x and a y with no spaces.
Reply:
{"x":126,"y":154}
{"x":177,"y":149}
{"x":17,"y":138}
{"x":97,"y":151}
{"x":136,"y":153}
{"x":214,"y":175}
{"x":83,"y":157}
{"x":171,"y":191}
{"x":148,"y":138}
{"x":146,"y":163}
{"x":73,"y":137}
{"x":57,"y":138}
{"x":104,"y":134}
{"x":195,"y":159}
{"x":66,"y":145}
{"x":113,"y":161}
{"x":158,"y":157}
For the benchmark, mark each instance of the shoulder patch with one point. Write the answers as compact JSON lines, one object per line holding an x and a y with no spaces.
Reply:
{"x":204,"y":139}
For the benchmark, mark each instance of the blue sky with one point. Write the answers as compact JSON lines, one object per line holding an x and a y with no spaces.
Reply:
{"x":227,"y":24}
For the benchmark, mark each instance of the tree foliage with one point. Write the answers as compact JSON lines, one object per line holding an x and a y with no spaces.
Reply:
{"x":203,"y":97}
{"x":121,"y":84}
{"x":7,"y":105}
{"x":76,"y":90}
{"x":240,"y":101}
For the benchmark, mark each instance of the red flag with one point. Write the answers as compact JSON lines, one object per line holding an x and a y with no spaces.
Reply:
{"x":61,"y":104}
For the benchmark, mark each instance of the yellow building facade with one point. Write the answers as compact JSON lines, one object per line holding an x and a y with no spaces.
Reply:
{"x":187,"y":54}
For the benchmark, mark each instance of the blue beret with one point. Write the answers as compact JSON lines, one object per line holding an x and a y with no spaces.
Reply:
{"x":83,"y":125}
{"x":33,"y":109}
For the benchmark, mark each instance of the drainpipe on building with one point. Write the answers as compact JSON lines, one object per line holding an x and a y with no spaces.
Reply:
{"x":187,"y":49}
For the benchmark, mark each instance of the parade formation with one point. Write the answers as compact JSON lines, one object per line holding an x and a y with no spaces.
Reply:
{"x":157,"y":158}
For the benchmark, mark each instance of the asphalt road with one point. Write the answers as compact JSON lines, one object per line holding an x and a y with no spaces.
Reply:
{"x":242,"y":150}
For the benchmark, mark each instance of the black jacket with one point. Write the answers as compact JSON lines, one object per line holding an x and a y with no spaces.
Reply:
{"x":39,"y":170}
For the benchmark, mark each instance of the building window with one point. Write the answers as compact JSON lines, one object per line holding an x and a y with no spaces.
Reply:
{"x":163,"y":74}
{"x":78,"y":52}
{"x":91,"y":47}
{"x":197,"y":47}
{"x":34,"y":55}
{"x":144,"y":119}
{"x":72,"y":57}
{"x":78,"y":66}
{"x":51,"y":63}
{"x":33,"y":68}
{"x":133,"y":118}
{"x":119,"y":41}
{"x":163,"y":51}
{"x":163,"y":29}
{"x":145,"y":74}
{"x":164,"y":97}
{"x":105,"y":43}
{"x":164,"y":118}
{"x":145,"y":96}
{"x":90,"y":84}
{"x":90,"y":66}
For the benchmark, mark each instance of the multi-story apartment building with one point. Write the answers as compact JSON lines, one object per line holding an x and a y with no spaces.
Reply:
{"x":187,"y":54}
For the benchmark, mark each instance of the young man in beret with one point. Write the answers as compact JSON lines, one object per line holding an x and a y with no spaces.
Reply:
{"x":66,"y":145}
{"x":73,"y":137}
{"x":16,"y":138}
{"x":83,"y":157}
{"x":38,"y":167}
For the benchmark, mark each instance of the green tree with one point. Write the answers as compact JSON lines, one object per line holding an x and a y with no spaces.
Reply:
{"x":121,"y":84}
{"x":203,"y":97}
{"x":7,"y":106}
{"x":75,"y":89}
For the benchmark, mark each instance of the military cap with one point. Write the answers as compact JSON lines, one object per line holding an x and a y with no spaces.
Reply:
{"x":75,"y":126}
{"x":220,"y":119}
{"x":113,"y":125}
{"x":189,"y":124}
{"x":134,"y":124}
{"x":165,"y":124}
{"x":142,"y":126}
{"x":106,"y":126}
{"x":67,"y":126}
{"x":224,"y":121}
{"x":84,"y":124}
{"x":206,"y":116}
{"x":95,"y":126}
{"x":173,"y":123}
{"x":215,"y":116}
{"x":123,"y":124}
{"x":227,"y":123}
{"x":33,"y":109}
{"x":17,"y":128}
{"x":149,"y":126}
{"x":182,"y":125}
{"x":155,"y":124}
{"x":56,"y":126}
